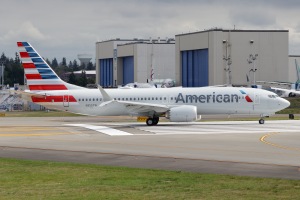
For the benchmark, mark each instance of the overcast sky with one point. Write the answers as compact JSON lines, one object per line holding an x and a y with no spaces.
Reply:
{"x":58,"y":28}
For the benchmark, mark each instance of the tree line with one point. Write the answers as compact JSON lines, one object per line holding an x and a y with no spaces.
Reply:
{"x":14,"y":71}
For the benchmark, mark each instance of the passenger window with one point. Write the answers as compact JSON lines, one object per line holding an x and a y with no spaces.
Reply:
{"x":130,"y":99}
{"x":160,"y":98}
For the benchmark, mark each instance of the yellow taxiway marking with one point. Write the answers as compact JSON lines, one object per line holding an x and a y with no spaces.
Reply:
{"x":263,"y":139}
{"x":25,"y":131}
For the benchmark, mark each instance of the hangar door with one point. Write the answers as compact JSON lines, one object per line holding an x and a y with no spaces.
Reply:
{"x":106,"y":72}
{"x":128,"y":70}
{"x":194,"y":68}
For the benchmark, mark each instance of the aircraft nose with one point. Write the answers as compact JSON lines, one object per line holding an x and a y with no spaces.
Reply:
{"x":284,"y":103}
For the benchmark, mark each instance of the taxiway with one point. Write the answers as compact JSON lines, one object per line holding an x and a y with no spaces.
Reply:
{"x":231,"y":147}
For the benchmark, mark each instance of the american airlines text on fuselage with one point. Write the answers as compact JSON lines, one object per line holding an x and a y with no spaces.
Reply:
{"x":208,"y":98}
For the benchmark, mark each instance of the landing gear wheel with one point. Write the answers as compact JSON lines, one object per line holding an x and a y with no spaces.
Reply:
{"x":261,"y":121}
{"x":150,"y":122}
{"x":155,"y":120}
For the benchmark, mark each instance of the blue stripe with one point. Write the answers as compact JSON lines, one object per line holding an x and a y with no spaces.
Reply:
{"x":242,"y":92}
{"x":45,"y":71}
{"x":25,"y":44}
{"x":33,"y":55}
{"x":45,"y":76}
{"x":38,"y":60}
{"x":29,"y":50}
{"x":43,"y":66}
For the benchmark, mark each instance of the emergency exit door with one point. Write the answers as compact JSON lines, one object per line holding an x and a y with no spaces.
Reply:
{"x":66,"y":100}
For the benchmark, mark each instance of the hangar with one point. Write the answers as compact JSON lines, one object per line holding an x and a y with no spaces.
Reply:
{"x":236,"y":57}
{"x":122,"y":61}
{"x":210,"y":57}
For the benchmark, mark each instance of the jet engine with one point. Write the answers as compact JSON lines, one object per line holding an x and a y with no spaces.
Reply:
{"x":185,"y":113}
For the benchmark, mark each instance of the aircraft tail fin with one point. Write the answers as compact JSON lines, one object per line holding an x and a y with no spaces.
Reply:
{"x":39,"y":75}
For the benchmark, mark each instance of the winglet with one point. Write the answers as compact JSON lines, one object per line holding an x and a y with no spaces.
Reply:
{"x":105,"y":96}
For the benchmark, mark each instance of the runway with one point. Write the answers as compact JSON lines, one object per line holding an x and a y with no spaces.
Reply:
{"x":228,"y":147}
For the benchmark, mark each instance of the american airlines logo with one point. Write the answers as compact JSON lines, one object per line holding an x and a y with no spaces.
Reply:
{"x":248,"y":99}
{"x":211,"y":98}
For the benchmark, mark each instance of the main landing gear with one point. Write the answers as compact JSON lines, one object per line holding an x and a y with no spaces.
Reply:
{"x":152,"y":121}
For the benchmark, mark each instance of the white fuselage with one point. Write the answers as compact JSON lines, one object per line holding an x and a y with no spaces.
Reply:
{"x":208,"y":100}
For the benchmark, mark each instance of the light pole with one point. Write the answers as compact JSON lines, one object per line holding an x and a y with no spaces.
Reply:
{"x":228,"y":62}
{"x":251,"y":60}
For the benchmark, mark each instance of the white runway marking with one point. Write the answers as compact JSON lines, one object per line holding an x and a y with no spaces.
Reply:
{"x":200,"y":128}
{"x":102,"y":129}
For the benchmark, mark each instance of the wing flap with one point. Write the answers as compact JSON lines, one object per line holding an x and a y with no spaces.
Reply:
{"x":137,"y":108}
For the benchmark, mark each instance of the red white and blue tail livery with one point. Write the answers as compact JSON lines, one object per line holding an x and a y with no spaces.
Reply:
{"x":176,"y":104}
{"x":38,"y":73}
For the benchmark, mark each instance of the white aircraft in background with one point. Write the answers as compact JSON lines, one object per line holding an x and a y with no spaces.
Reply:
{"x":285,"y":92}
{"x":176,"y":104}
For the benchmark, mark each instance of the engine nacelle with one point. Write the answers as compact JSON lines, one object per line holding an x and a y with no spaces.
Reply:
{"x":183,"y":113}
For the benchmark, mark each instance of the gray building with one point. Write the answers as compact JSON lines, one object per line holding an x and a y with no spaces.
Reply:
{"x":123,"y":61}
{"x":237,"y":57}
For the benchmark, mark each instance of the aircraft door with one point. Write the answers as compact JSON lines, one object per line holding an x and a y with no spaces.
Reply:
{"x":256,"y":99}
{"x":66,"y":100}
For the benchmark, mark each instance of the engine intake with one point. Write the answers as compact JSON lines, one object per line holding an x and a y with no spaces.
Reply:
{"x":185,"y":113}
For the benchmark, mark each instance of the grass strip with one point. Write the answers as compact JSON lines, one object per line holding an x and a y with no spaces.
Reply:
{"x":23,"y":179}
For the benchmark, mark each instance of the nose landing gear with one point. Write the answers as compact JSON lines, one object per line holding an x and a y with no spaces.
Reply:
{"x":261,"y":121}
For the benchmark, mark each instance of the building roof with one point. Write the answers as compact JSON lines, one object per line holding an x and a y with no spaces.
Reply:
{"x":230,"y":30}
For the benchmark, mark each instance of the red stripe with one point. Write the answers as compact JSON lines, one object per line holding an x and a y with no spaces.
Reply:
{"x":248,"y":99}
{"x":47,"y":87}
{"x":53,"y":99}
{"x":33,"y":76}
{"x":19,"y":44}
{"x":24,"y":55}
{"x":28,"y":65}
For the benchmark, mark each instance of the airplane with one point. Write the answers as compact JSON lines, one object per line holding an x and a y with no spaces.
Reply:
{"x":285,"y":92}
{"x":177,"y":104}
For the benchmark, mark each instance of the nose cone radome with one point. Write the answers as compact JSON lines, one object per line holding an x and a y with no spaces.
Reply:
{"x":284,"y":103}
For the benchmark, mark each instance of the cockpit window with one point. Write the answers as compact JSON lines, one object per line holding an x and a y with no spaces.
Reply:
{"x":272,"y":96}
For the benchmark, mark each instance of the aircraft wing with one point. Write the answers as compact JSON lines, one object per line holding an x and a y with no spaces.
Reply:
{"x":134,"y":108}
{"x":138,"y":108}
